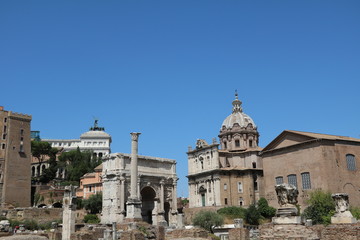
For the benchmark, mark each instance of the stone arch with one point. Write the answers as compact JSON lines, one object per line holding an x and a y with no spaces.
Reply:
{"x":148,"y":196}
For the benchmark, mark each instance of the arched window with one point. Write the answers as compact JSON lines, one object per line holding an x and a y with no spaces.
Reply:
{"x":292,"y":179}
{"x":306,"y":182}
{"x":350,"y":162}
{"x":279,"y":180}
{"x":241,"y":201}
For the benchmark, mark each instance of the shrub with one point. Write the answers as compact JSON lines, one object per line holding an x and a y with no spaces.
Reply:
{"x":252,"y":215}
{"x":265,"y":210}
{"x":355,"y":211}
{"x":91,"y":218}
{"x":207,"y":220}
{"x":93,"y":203}
{"x":321,"y":207}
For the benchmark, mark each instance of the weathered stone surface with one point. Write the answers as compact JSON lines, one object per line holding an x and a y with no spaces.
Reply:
{"x":239,"y":234}
{"x":195,"y":233}
{"x":291,"y":231}
{"x":25,"y":237}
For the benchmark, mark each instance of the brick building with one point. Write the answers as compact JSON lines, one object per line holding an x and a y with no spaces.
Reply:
{"x":15,"y":159}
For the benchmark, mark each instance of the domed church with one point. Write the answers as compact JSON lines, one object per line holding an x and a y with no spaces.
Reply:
{"x":228,"y":173}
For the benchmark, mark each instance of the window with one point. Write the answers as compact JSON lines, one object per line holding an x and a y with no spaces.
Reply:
{"x":3,"y":146}
{"x":4,"y":128}
{"x":250,"y":143}
{"x":237,"y":143}
{"x":292,"y":179}
{"x":240,"y":187}
{"x":5,"y":119}
{"x":306,"y":182}
{"x":225,"y":186}
{"x":256,"y":186}
{"x":4,"y":136}
{"x":254,"y":164}
{"x":225,"y":146}
{"x":350,"y":161}
{"x":22,"y":132}
{"x":241,"y":201}
{"x":279,"y":180}
{"x":225,"y":200}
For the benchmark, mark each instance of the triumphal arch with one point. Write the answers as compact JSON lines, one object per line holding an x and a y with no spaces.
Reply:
{"x":139,"y":188}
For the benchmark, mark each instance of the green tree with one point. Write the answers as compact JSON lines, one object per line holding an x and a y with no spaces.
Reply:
{"x":207,"y":220}
{"x":93,"y":203}
{"x":43,"y":151}
{"x":252,"y":215}
{"x":321,"y":207}
{"x":77,"y":163}
{"x":265,"y":210}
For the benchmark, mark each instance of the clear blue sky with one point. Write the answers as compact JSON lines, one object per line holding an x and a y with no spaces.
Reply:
{"x":169,"y":69}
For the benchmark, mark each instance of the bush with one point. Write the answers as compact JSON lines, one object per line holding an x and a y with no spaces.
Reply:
{"x":265,"y":210}
{"x":321,"y":207}
{"x":355,"y":211}
{"x":232,"y":212}
{"x":207,"y":220}
{"x":91,"y":218}
{"x":252,"y":215}
{"x":93,"y":203}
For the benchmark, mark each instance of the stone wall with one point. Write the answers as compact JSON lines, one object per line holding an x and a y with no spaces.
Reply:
{"x":239,"y":234}
{"x":341,"y":231}
{"x":41,"y":215}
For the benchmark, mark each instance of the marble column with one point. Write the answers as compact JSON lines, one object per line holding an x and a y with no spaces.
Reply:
{"x":122,"y":198}
{"x":134,"y":165}
{"x":69,"y":212}
{"x":133,"y":211}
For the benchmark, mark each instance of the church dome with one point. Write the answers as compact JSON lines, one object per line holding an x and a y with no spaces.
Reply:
{"x":237,"y":116}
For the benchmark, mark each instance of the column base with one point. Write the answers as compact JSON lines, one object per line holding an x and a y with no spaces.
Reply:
{"x":133,"y":210}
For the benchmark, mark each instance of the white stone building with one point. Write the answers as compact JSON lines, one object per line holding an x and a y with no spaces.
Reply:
{"x":156,"y":188}
{"x":95,"y":140}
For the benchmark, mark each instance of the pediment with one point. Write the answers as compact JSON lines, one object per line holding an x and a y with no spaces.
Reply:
{"x":287,"y":138}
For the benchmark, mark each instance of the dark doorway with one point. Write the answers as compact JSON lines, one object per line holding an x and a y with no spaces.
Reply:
{"x":148,"y":197}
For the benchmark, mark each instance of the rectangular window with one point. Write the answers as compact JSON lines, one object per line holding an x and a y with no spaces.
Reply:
{"x":4,"y":129}
{"x":4,"y":136}
{"x":279,"y":180}
{"x":350,"y":161}
{"x":225,"y":186}
{"x":292,"y":179}
{"x":250,"y":143}
{"x":240,"y":187}
{"x":237,"y":143}
{"x":5,"y":119}
{"x":225,"y":201}
{"x":3,"y":146}
{"x":22,"y":132}
{"x":306,"y":182}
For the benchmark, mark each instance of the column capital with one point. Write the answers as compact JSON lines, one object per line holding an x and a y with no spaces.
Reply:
{"x":135,"y":136}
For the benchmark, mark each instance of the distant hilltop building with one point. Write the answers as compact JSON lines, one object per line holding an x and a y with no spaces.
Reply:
{"x":95,"y":140}
{"x":15,"y":159}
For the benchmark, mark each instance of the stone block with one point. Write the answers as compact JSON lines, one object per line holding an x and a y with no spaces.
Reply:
{"x":286,"y":220}
{"x":338,"y":220}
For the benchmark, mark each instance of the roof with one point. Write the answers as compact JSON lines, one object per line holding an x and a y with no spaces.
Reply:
{"x":307,"y":137}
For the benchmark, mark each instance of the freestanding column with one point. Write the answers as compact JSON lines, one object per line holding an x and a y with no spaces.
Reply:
{"x":133,"y":210}
{"x":134,"y":165}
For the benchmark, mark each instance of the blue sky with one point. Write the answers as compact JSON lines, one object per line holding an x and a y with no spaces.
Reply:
{"x":169,"y":69}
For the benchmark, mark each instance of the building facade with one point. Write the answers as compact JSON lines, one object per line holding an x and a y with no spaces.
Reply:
{"x":95,"y":140}
{"x":15,"y":159}
{"x":156,"y":186}
{"x":231,"y":175}
{"x":90,"y":184}
{"x":312,"y":161}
